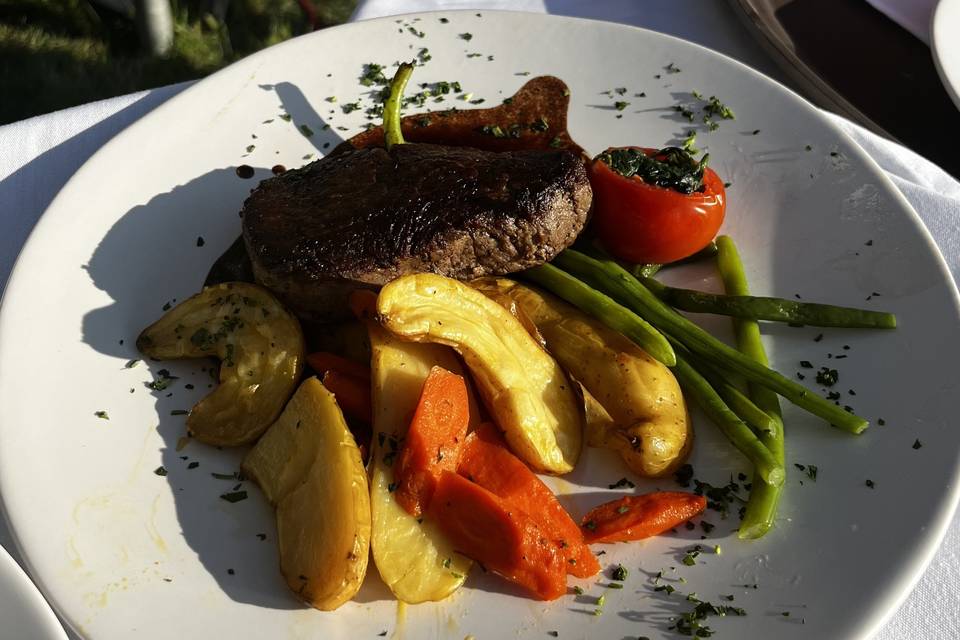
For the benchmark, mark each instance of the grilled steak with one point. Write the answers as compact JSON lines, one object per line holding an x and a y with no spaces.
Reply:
{"x":362,"y":217}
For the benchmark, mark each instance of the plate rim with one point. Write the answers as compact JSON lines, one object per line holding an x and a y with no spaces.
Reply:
{"x":938,"y":20}
{"x":883,"y":608}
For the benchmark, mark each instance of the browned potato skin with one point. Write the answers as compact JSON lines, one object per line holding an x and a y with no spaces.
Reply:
{"x":523,"y":387}
{"x":309,"y":466}
{"x":633,"y":403}
{"x":260,"y":345}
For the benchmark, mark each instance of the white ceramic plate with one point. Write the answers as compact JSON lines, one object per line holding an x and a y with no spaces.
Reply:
{"x":25,"y":614}
{"x":945,"y":47}
{"x":122,"y":551}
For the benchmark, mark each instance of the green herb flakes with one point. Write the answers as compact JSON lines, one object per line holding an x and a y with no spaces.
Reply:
{"x":234,"y":496}
{"x":131,"y":364}
{"x":619,"y":573}
{"x":466,"y":36}
{"x":160,"y":471}
{"x":102,"y":415}
{"x":827,"y":376}
{"x":622,"y":482}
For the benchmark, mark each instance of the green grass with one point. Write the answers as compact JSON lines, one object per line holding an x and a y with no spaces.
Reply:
{"x":60,"y":53}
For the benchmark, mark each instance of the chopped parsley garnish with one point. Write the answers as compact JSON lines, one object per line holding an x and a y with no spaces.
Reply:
{"x":917,"y":444}
{"x":234,"y":496}
{"x":160,"y":471}
{"x":620,"y":105}
{"x":715,"y":108}
{"x":102,"y":415}
{"x":131,"y":364}
{"x":467,"y":36}
{"x":671,"y":167}
{"x":672,"y":68}
{"x":578,"y":591}
{"x":684,"y":475}
{"x":305,"y":130}
{"x":719,"y":498}
{"x":179,"y":412}
{"x":870,"y":483}
{"x":540,"y":124}
{"x":827,"y":376}
{"x":622,"y":482}
{"x":193,"y":465}
{"x":619,"y":573}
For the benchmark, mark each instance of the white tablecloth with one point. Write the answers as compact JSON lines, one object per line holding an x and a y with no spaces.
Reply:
{"x":37,"y":156}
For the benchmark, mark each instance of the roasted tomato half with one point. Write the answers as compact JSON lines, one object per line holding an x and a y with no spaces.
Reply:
{"x":655,"y":205}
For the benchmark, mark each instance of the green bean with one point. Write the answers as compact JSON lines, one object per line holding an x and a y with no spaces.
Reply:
{"x":764,"y":498}
{"x":391,"y":108}
{"x":645,"y":270}
{"x":729,"y":422}
{"x":773,"y":309}
{"x":612,"y":279}
{"x":604,"y":309}
{"x":650,"y":269}
{"x":738,"y":402}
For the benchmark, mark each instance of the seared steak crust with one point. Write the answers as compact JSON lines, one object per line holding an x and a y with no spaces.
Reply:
{"x":364,"y":217}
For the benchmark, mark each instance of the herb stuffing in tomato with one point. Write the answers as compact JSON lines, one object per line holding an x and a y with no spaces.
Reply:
{"x":655,"y":205}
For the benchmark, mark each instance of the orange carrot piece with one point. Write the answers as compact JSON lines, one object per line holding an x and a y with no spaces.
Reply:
{"x":504,"y":539}
{"x":434,"y":440}
{"x":324,"y":361}
{"x":637,"y":517}
{"x":352,"y":394}
{"x":363,"y":304}
{"x":487,"y":461}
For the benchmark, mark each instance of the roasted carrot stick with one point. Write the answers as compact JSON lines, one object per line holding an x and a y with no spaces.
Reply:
{"x":434,"y":440}
{"x":636,"y":517}
{"x":352,"y":394}
{"x":324,"y":361}
{"x":363,"y":304}
{"x":504,"y":539}
{"x":487,"y":461}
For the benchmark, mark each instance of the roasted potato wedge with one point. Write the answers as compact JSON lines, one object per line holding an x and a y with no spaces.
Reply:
{"x":309,"y":467}
{"x":259,"y":344}
{"x":413,"y":556}
{"x":633,"y":403}
{"x":523,"y":387}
